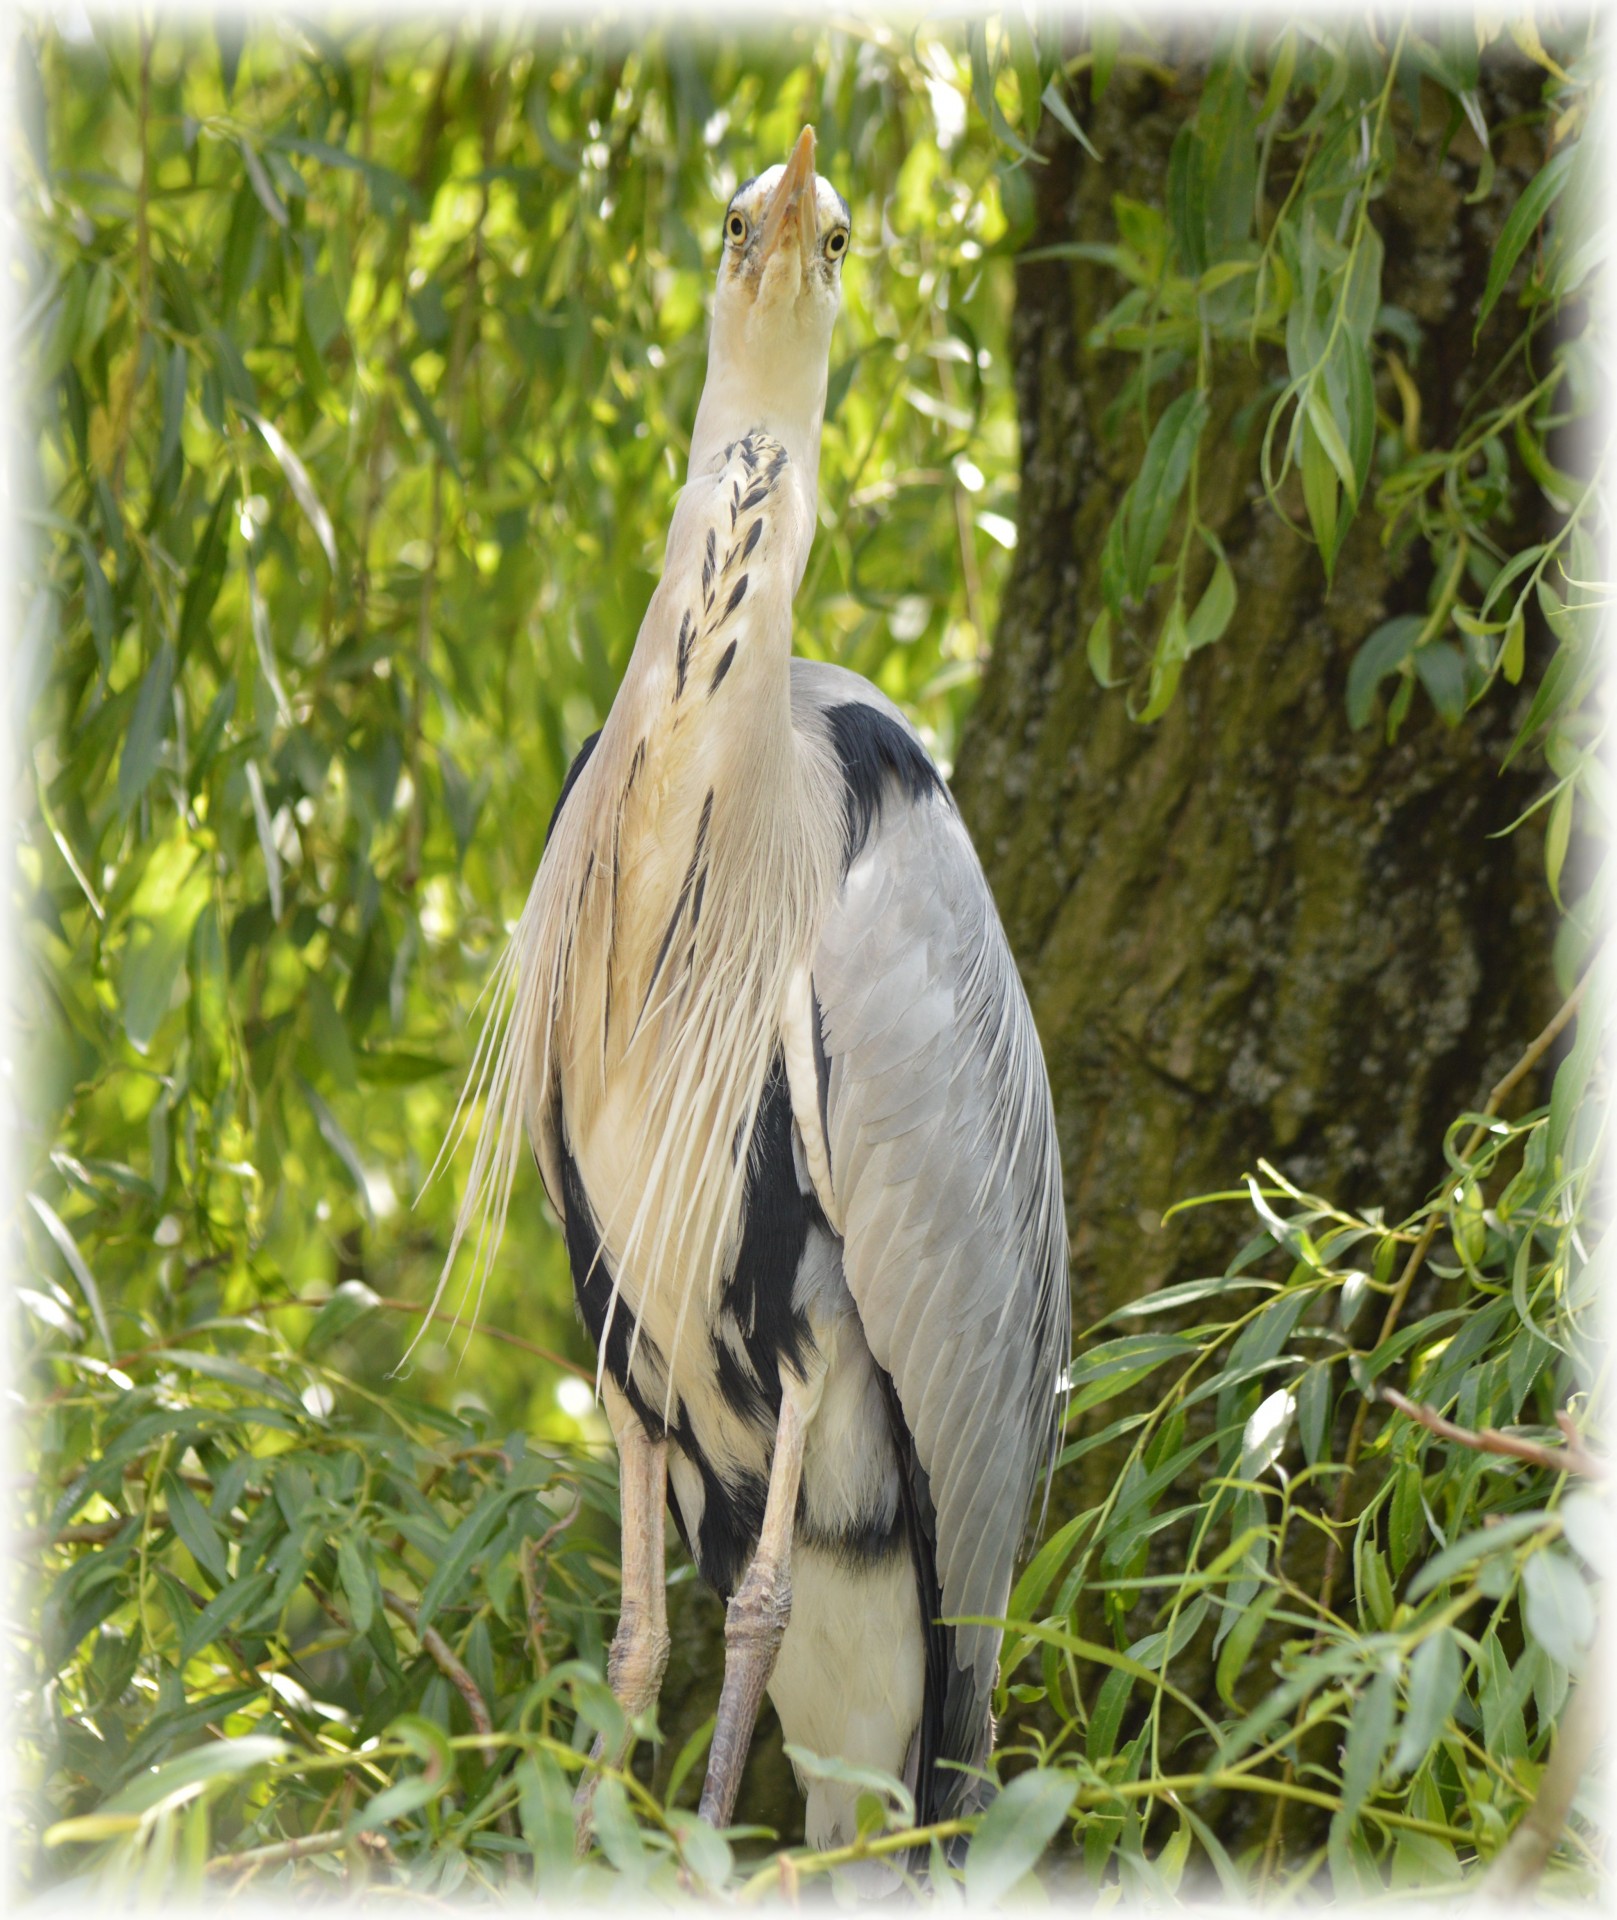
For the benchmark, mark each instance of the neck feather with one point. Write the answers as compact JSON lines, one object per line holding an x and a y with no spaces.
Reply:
{"x":788,"y":403}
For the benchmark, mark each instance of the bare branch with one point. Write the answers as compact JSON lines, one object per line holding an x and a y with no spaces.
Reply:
{"x":278,"y":1851}
{"x":91,"y":1533}
{"x":489,"y":1333}
{"x":1572,"y":1458}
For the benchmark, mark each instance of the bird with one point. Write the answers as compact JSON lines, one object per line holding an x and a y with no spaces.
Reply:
{"x":762,"y":1031}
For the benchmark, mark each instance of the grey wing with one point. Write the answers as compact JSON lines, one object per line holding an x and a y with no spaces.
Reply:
{"x":946,"y":1182}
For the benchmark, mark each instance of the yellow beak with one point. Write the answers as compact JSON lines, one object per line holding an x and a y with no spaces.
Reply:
{"x":791,"y":205}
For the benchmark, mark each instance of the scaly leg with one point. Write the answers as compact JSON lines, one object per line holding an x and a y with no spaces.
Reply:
{"x":640,"y":1646}
{"x":757,"y":1616}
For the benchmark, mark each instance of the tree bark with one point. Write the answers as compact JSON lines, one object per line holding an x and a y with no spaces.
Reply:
{"x":1246,"y":929}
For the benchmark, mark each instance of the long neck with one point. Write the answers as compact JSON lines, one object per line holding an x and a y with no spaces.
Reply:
{"x":742,"y":393}
{"x":694,"y":793}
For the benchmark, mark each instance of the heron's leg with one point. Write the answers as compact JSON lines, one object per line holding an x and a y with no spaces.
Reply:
{"x":640,"y":1646}
{"x":756,"y":1618}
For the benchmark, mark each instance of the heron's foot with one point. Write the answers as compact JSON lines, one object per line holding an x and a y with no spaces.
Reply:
{"x":754,"y":1624}
{"x":638,"y":1658}
{"x":634,"y":1669}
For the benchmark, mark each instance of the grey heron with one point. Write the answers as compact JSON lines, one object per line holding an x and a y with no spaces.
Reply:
{"x":768,"y":1044}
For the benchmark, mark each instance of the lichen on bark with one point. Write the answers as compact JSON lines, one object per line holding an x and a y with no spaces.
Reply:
{"x":1246,"y":929}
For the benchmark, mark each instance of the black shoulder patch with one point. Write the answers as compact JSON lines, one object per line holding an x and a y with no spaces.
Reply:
{"x":874,"y":750}
{"x":567,"y":785}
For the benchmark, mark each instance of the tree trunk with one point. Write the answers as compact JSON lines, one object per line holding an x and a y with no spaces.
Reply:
{"x":1246,"y":929}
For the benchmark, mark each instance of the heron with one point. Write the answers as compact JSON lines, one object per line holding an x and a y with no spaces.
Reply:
{"x":763,"y":1032}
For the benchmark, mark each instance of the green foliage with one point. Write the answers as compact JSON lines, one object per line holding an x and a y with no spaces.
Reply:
{"x":364,"y":365}
{"x":364,"y":362}
{"x":365,"y":373}
{"x":1266,"y":254}
{"x":254,"y":1555}
{"x":1395,"y":1617}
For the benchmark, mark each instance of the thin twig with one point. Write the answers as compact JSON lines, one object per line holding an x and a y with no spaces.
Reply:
{"x":278,"y":1851}
{"x":455,"y":1672}
{"x":1568,"y":1459}
{"x":533,"y":1582}
{"x":452,"y":1320}
{"x":449,"y":1665}
{"x":92,"y":1533}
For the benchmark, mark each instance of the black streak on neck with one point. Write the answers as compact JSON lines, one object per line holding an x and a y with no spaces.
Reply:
{"x":567,"y":785}
{"x":694,"y":871}
{"x":723,"y":667}
{"x":682,"y":655}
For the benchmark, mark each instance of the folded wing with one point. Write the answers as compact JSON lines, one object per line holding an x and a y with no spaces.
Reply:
{"x":945,"y":1178}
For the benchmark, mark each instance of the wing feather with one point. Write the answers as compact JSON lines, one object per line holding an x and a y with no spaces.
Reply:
{"x":940,"y":1139}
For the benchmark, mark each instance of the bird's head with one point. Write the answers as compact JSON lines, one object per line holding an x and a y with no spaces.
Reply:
{"x":780,"y":280}
{"x":780,"y":284}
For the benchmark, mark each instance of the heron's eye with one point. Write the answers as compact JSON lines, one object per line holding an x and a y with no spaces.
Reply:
{"x":735,"y":228}
{"x":836,"y":243}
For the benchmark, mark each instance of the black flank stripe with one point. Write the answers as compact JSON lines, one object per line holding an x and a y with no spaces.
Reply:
{"x":774,"y":1231}
{"x":728,"y":655}
{"x":732,"y":1514}
{"x":710,"y":560}
{"x":742,"y":1392}
{"x":592,"y":1286}
{"x":932,"y":1786}
{"x":738,"y":593}
{"x":753,"y":535}
{"x":755,"y":499}
{"x":866,"y":1540}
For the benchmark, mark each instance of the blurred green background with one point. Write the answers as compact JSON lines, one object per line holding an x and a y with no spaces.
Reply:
{"x":371,"y":361}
